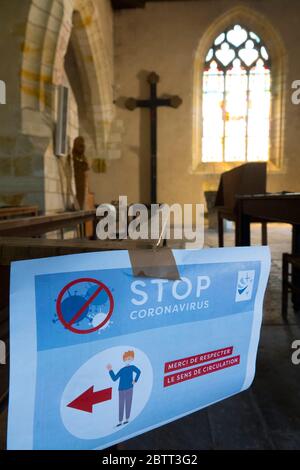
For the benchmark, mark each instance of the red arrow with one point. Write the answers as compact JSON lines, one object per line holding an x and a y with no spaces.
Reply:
{"x":87,"y":399}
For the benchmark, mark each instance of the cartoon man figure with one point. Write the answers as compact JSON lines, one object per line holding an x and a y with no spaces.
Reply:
{"x":128,"y":375}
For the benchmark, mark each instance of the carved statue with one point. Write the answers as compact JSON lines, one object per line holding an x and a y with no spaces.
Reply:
{"x":81,"y":168}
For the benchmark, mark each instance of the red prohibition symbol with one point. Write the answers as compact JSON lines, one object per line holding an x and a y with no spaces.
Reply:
{"x":68,"y":323}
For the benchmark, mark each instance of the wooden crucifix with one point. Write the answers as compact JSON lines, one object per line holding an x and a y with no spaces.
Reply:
{"x":153,"y":103}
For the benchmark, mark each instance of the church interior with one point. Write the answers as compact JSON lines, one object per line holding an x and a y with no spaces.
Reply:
{"x":164,"y":102}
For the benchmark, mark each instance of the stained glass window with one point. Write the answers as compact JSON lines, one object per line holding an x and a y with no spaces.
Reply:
{"x":236,"y":98}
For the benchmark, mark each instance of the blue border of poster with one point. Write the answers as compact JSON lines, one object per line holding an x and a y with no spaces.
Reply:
{"x":191,"y":343}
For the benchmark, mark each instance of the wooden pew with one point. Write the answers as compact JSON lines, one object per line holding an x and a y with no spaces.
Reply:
{"x":9,"y":212}
{"x":42,"y":224}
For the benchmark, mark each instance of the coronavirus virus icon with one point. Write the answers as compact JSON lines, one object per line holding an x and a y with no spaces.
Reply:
{"x":84,"y":306}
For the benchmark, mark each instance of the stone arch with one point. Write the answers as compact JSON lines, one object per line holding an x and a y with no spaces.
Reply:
{"x":261,"y":25}
{"x":103,"y":109}
{"x":48,"y":32}
{"x":82,"y":28}
{"x":91,"y":94}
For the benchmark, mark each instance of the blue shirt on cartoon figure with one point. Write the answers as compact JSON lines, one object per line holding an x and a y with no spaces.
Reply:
{"x":126,"y":376}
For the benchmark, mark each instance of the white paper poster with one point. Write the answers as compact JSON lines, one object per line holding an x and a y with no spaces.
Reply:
{"x":99,"y":356}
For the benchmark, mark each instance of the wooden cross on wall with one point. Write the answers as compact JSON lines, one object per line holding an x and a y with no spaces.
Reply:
{"x":153,"y":103}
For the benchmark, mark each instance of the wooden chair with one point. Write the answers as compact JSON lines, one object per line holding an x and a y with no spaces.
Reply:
{"x":246,"y":179}
{"x":287,"y":285}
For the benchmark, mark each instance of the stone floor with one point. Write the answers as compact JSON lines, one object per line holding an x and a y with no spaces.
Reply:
{"x":267,"y":416}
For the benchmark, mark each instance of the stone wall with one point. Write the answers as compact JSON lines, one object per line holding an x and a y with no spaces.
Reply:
{"x":33,"y":46}
{"x":165,"y":37}
{"x":19,"y":170}
{"x":115,"y":51}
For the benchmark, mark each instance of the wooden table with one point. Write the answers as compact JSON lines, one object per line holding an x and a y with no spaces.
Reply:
{"x":9,"y":212}
{"x":271,"y":207}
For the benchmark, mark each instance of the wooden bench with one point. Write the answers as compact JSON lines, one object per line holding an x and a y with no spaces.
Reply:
{"x":9,"y":212}
{"x":42,"y":224}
